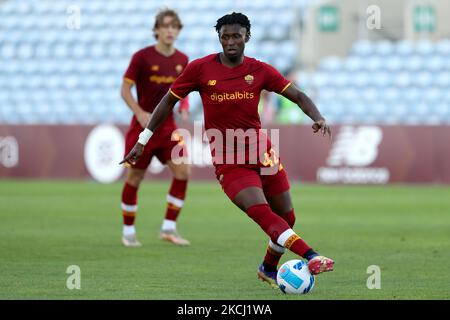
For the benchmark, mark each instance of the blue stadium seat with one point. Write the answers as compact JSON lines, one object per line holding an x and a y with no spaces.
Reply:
{"x":394,"y":63}
{"x":353,"y":63}
{"x":414,"y":63}
{"x":331,"y":64}
{"x":374,"y":63}
{"x":363,"y":48}
{"x":378,"y":108}
{"x":402,"y":79}
{"x":321,"y":79}
{"x":361,"y":78}
{"x":368,"y":94}
{"x":381,"y":79}
{"x":423,"y":79}
{"x":66,"y":72}
{"x":411,"y":95}
{"x":391,"y":94}
{"x":384,"y":48}
{"x":425,"y":48}
{"x":404,"y":48}
{"x":443,"y":48}
{"x":436,"y":63}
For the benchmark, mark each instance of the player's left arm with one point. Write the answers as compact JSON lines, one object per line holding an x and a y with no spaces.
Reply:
{"x":308,"y":107}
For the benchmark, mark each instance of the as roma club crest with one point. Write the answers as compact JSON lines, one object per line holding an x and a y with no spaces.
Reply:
{"x":179,"y":68}
{"x":249,"y":79}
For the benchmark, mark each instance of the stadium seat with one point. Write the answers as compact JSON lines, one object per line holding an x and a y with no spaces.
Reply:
{"x":424,"y":48}
{"x":394,"y":63}
{"x":353,"y":63}
{"x":443,"y":48}
{"x":374,"y":63}
{"x":381,"y":79}
{"x":362,"y":48}
{"x":77,"y":68}
{"x":404,"y":48}
{"x":361,"y":78}
{"x":331,"y":64}
{"x":423,"y":79}
{"x":383,"y":48}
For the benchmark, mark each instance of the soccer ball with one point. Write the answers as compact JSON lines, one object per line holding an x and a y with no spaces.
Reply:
{"x":294,"y":277}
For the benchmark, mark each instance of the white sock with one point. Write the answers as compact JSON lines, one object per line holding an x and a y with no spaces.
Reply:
{"x":284,"y":237}
{"x":277,"y":247}
{"x":128,"y":230}
{"x":169,"y":225}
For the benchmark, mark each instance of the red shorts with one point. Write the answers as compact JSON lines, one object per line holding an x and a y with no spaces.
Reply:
{"x":238,"y":178}
{"x":160,"y":145}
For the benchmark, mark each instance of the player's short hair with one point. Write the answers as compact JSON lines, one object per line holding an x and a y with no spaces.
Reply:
{"x":166,"y":12}
{"x":234,"y":18}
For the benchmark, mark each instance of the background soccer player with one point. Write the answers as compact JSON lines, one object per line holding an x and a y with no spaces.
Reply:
{"x":153,"y":69}
{"x":230,"y":85}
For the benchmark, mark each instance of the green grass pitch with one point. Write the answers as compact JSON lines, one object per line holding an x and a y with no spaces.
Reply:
{"x":47,"y":226}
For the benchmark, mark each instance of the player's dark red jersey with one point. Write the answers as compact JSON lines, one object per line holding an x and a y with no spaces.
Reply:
{"x":153,"y":74}
{"x":230,"y":96}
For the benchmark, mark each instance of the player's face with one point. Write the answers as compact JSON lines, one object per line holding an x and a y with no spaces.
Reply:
{"x":232,"y":38}
{"x":168,"y":31}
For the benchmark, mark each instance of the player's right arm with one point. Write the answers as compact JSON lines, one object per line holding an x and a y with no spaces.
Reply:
{"x":125,"y":91}
{"x":132,"y":74}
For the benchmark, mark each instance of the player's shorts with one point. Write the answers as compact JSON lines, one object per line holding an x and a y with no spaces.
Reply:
{"x":160,"y":145}
{"x":238,"y":178}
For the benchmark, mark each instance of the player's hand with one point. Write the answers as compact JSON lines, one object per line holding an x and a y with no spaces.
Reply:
{"x":134,"y":154}
{"x":323,"y":127}
{"x":143,"y":118}
{"x":184,"y":115}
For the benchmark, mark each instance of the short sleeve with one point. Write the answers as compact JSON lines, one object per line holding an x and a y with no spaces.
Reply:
{"x":274,"y":81}
{"x":186,"y":82}
{"x":132,"y":73}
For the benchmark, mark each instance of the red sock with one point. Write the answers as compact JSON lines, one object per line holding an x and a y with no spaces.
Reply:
{"x":129,"y":204}
{"x":274,"y":226}
{"x":175,"y":198}
{"x":299,"y":247}
{"x":272,"y":257}
{"x":289,"y":217}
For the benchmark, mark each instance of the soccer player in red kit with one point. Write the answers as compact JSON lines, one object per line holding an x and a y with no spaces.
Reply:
{"x":153,"y":70}
{"x":230,"y":85}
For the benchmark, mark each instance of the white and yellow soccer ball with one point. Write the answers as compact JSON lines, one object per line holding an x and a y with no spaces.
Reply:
{"x":293,"y":277}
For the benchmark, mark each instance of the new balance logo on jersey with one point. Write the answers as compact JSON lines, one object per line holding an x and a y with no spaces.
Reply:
{"x":351,"y":157}
{"x":211,"y":82}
